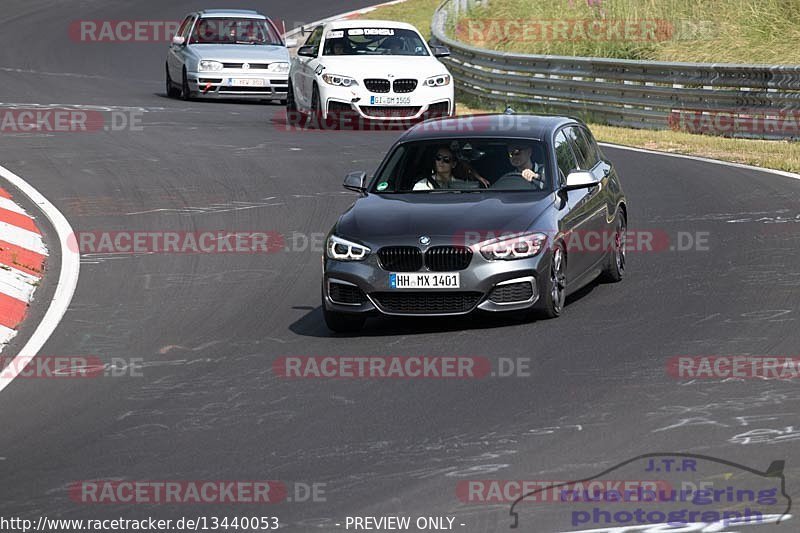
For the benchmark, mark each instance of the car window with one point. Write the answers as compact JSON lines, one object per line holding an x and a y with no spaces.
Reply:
{"x":315,"y":38}
{"x":594,"y":150}
{"x":184,"y":27}
{"x":234,"y":30}
{"x":374,"y":41}
{"x":564,"y":156}
{"x":580,"y":147}
{"x":480,"y":166}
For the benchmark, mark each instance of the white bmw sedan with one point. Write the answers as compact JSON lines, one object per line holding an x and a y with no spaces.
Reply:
{"x":228,"y":53}
{"x":379,"y":69}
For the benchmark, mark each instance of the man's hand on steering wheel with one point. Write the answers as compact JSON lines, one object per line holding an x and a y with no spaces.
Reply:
{"x":530,"y":175}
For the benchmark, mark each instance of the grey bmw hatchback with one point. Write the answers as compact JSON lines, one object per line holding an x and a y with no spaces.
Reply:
{"x":486,"y":213}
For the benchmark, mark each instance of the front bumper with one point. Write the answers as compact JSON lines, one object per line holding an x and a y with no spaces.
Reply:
{"x":423,"y":102}
{"x":226,"y":84}
{"x":495,"y":286}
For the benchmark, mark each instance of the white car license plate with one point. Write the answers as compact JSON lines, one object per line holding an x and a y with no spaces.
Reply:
{"x":246,"y":82}
{"x":424,"y":281}
{"x":389,"y":100}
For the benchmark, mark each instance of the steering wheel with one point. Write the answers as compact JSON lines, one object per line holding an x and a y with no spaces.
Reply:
{"x":514,"y":180}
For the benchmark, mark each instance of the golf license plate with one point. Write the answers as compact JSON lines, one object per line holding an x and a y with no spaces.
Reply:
{"x":441,"y":280}
{"x":246,"y":82}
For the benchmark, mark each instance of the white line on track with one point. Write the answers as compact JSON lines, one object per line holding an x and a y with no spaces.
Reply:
{"x":704,"y":160}
{"x":67,"y":277}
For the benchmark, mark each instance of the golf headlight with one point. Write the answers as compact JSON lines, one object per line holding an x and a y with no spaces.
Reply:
{"x":278,"y":67}
{"x":517,"y":246}
{"x":339,"y":81}
{"x":209,"y":66}
{"x":438,"y":81}
{"x":344,"y":250}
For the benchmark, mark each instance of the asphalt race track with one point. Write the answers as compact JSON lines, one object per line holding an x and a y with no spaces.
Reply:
{"x":208,"y":327}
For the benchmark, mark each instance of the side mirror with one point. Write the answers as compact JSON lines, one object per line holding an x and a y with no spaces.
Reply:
{"x":307,"y":51}
{"x":440,"y":51}
{"x":179,"y":40}
{"x":356,"y":181}
{"x":580,"y":179}
{"x":291,"y":43}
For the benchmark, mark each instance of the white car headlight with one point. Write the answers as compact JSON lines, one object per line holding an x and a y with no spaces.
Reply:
{"x":339,"y":81}
{"x":344,"y":250}
{"x":209,"y":66}
{"x":517,"y":246}
{"x":438,"y":81}
{"x":281,"y":67}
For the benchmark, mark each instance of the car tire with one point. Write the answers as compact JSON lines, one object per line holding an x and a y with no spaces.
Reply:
{"x":316,"y":113}
{"x":343,"y":322}
{"x":172,"y":91}
{"x":293,"y":115}
{"x":186,"y":94}
{"x":554,"y":295}
{"x":614,"y":269}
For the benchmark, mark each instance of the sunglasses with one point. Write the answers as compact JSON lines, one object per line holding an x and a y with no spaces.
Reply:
{"x":513,"y":152}
{"x":444,"y":158}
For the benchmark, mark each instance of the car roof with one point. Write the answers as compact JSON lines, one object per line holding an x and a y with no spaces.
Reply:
{"x":232,"y":13}
{"x":364,"y":23}
{"x":522,"y":126}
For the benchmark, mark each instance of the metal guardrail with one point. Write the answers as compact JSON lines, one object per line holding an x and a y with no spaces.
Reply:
{"x":756,"y":101}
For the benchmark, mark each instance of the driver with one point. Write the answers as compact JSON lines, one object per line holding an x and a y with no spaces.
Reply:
{"x":442,"y":177}
{"x":519,"y":154}
{"x":393,"y":44}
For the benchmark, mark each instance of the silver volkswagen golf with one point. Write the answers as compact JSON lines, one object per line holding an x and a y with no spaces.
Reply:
{"x":228,"y":53}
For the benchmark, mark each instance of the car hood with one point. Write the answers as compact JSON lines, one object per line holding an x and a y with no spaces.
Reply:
{"x":240,"y":52}
{"x":418,"y":67}
{"x":445,"y":217}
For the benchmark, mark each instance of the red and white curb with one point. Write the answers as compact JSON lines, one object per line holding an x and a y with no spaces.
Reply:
{"x":22,"y":259}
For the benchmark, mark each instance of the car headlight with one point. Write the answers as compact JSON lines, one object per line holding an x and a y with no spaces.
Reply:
{"x":339,"y":81}
{"x":344,"y":250}
{"x":209,"y":66}
{"x":278,"y":67}
{"x":438,"y":81}
{"x":517,"y":246}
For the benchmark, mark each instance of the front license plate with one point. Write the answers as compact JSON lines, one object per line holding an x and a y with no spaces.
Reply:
{"x":389,"y":100}
{"x":424,"y":281}
{"x":246,"y":82}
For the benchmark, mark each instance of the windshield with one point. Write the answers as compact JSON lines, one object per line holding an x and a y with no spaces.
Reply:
{"x":473,"y":165}
{"x":374,"y":41}
{"x":234,"y":31}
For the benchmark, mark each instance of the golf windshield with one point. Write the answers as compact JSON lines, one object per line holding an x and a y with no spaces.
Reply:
{"x":219,"y":30}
